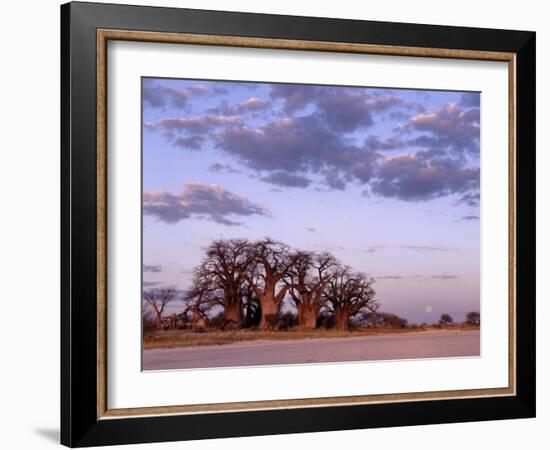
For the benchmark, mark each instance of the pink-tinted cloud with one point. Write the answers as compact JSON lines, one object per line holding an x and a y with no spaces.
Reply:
{"x":202,"y":201}
{"x":158,"y":95}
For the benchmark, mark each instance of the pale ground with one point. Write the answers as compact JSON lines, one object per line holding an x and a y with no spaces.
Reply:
{"x":426,"y":344}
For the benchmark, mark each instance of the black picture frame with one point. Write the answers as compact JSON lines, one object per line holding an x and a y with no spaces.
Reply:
{"x":80,"y":425}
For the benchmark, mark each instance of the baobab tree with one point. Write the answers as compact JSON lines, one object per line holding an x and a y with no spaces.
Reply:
{"x":348,"y":294}
{"x":158,"y":299}
{"x":307,"y":279}
{"x":272,"y":262}
{"x":252,"y":279}
{"x":225,"y":268}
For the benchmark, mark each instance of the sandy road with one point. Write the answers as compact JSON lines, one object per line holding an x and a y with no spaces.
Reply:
{"x":428,"y":344}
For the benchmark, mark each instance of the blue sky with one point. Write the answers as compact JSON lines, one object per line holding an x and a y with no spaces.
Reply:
{"x":385,"y":179}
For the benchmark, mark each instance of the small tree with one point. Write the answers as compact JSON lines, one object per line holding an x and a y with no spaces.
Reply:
{"x":158,"y":299}
{"x":473,"y":318}
{"x":445,"y":319}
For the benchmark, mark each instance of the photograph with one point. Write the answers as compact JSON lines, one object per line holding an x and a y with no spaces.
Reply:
{"x":300,"y":223}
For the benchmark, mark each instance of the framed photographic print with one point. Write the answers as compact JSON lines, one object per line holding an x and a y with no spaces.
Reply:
{"x":268,"y":220}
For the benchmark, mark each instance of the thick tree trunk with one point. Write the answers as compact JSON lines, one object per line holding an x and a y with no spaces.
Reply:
{"x":157,"y":320}
{"x":198,"y":321}
{"x":307,"y":316}
{"x":269,"y":309}
{"x":341,"y":320}
{"x":233,"y":313}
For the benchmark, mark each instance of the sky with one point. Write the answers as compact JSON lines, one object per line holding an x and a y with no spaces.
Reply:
{"x":387,"y":180}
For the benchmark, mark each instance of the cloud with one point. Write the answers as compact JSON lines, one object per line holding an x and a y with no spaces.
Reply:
{"x":343,"y":109}
{"x":311,"y":230}
{"x":308,"y":144}
{"x":198,"y":89}
{"x":375,"y":248}
{"x":289,"y":144}
{"x":334,"y":179}
{"x":252,"y":105}
{"x":298,"y":144}
{"x":417,"y":176}
{"x":220,"y":166}
{"x":286,"y":179}
{"x":393,"y":143}
{"x":190,"y":142}
{"x":414,"y":248}
{"x":158,"y":96}
{"x":197,"y":124}
{"x":470,"y":218}
{"x":152,"y":268}
{"x":348,"y":110}
{"x":428,"y":248}
{"x":220,"y":90}
{"x":293,"y":96}
{"x":448,"y":127}
{"x":470,"y":199}
{"x":432,"y":154}
{"x":180,"y":294}
{"x":418,"y":277}
{"x":201,"y":201}
{"x":161,"y":95}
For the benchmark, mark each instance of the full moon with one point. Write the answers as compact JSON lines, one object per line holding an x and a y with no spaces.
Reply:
{"x":429,"y":309}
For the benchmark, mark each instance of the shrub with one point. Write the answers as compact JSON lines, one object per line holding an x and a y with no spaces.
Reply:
{"x":390,"y":320}
{"x":325,"y":320}
{"x":287,"y":320}
{"x":148,"y":321}
{"x":272,"y":320}
{"x":253,"y":314}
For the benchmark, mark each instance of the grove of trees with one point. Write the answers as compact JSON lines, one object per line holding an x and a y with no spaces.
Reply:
{"x":248,"y":281}
{"x":242,"y":284}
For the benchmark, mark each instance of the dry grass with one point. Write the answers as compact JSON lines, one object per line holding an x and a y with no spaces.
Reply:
{"x":186,"y":338}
